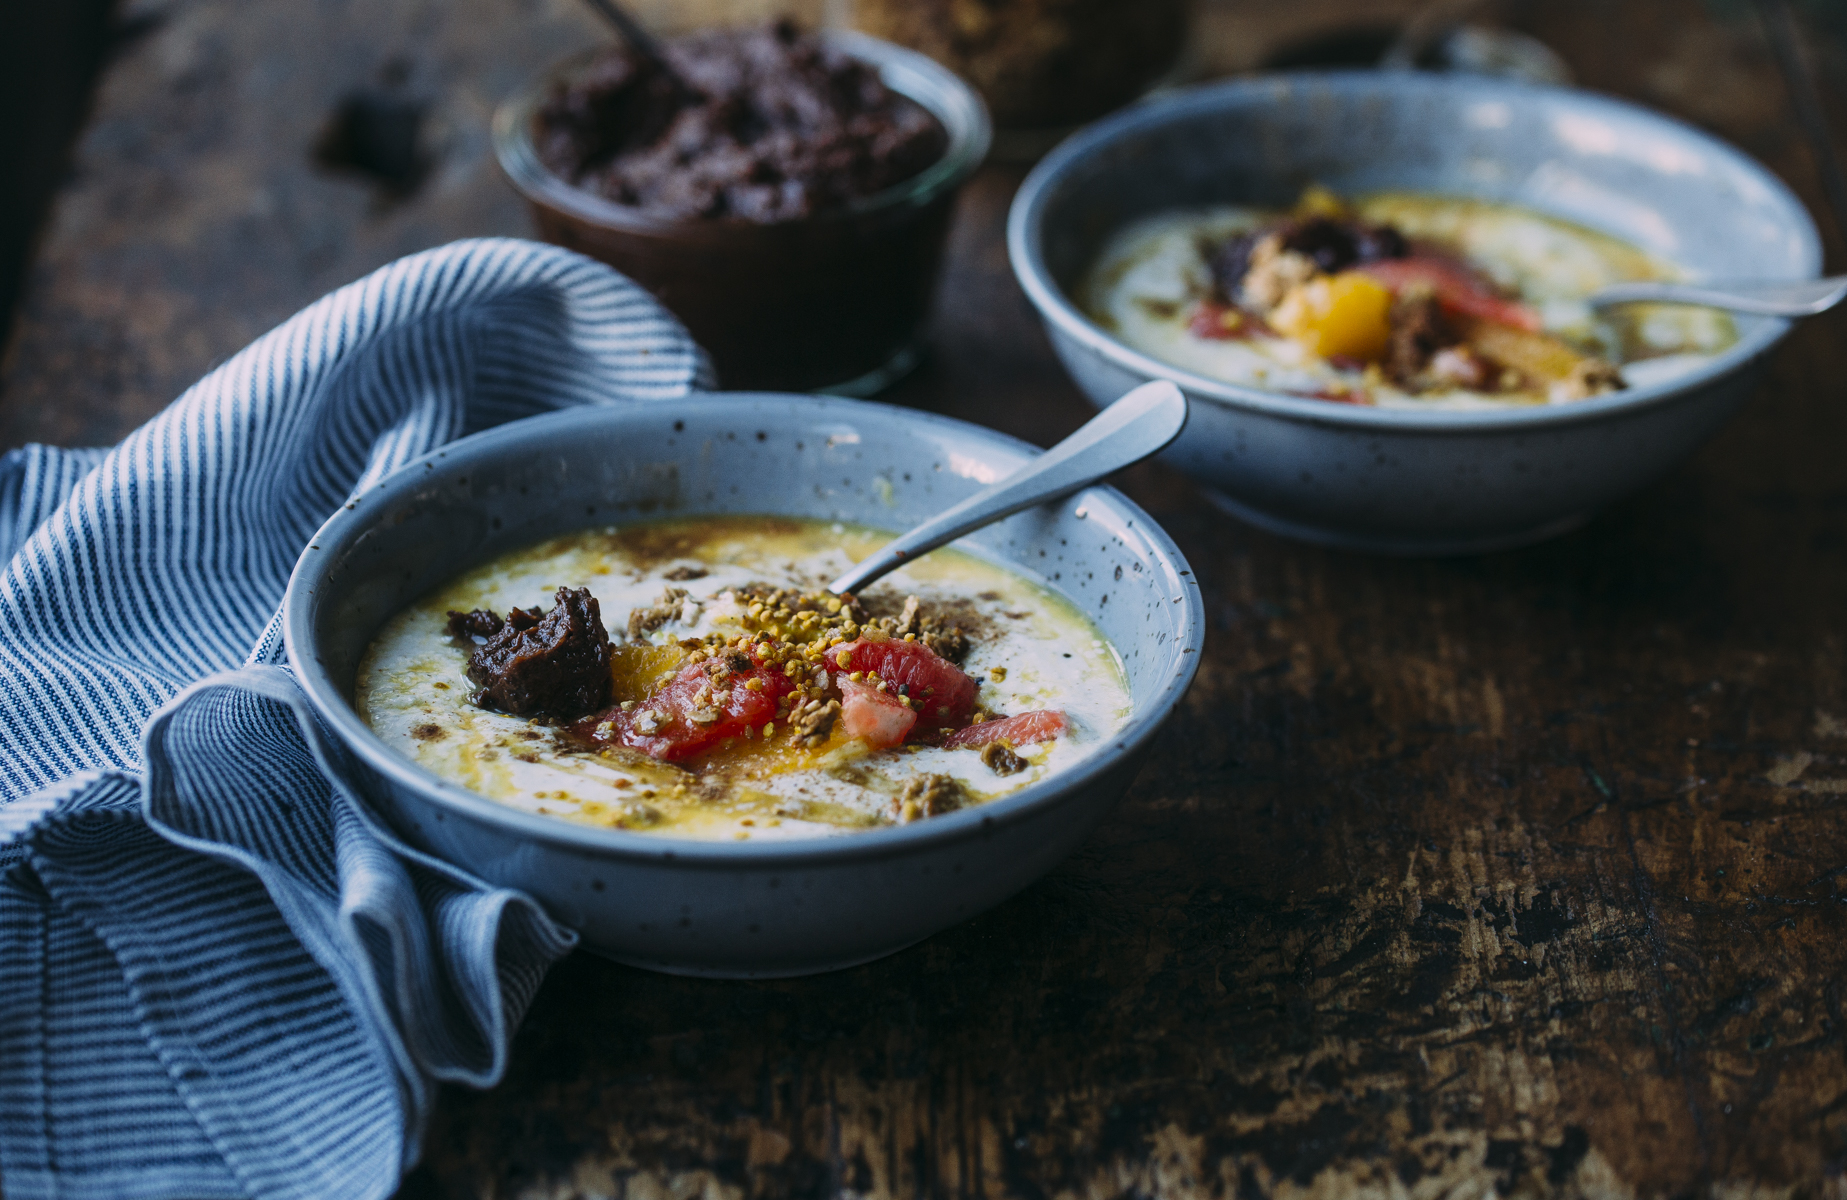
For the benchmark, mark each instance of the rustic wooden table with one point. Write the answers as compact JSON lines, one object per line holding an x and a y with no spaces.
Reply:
{"x":1522,"y":872}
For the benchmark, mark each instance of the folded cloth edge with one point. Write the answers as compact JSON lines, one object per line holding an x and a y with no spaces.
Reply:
{"x":277,"y":684}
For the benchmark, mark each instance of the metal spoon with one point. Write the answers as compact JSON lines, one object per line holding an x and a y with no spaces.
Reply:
{"x":639,"y":40}
{"x":1801,"y":298}
{"x":1126,"y":432}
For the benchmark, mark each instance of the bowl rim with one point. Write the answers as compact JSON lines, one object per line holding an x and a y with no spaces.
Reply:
{"x":1025,"y":253}
{"x":964,"y":116}
{"x":353,"y":520}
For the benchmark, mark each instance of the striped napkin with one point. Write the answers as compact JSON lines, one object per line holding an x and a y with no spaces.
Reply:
{"x":220,"y":976}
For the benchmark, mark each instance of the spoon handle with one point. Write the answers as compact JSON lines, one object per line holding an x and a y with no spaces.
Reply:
{"x":1783,"y":298}
{"x":639,"y":39}
{"x":1126,"y":432}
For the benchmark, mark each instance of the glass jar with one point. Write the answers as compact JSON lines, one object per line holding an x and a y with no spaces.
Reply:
{"x":1039,"y":64}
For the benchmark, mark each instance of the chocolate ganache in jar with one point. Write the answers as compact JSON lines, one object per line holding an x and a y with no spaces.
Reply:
{"x":785,"y":194}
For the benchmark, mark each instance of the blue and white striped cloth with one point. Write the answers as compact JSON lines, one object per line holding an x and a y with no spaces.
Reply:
{"x":219,"y":975}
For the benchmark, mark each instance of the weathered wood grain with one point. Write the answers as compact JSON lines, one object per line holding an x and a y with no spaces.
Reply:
{"x":1521,"y":873}
{"x":197,"y":217}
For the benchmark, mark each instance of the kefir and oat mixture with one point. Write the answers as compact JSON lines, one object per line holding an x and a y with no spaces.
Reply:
{"x":1396,"y":300}
{"x":693,"y":678}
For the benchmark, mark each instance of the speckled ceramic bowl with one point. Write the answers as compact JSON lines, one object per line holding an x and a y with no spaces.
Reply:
{"x":739,"y":908}
{"x":1392,"y":480}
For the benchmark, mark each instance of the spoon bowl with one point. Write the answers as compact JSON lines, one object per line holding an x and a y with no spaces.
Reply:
{"x":1769,"y":298}
{"x":1142,"y":422}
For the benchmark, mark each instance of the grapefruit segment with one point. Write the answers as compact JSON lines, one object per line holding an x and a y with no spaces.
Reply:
{"x":1022,"y":730}
{"x":689,"y":715}
{"x":880,"y":718}
{"x":1457,"y":289}
{"x":946,"y":695}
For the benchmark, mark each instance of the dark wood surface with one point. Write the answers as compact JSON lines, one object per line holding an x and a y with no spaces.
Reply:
{"x":1519,"y":873}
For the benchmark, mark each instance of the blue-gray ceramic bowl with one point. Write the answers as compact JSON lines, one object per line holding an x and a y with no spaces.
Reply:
{"x":738,"y":908}
{"x":1391,"y":480}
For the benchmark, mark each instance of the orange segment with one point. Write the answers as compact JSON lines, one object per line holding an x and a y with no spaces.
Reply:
{"x":1346,"y":315}
{"x":753,"y":758}
{"x":1024,"y":729}
{"x":636,"y":672}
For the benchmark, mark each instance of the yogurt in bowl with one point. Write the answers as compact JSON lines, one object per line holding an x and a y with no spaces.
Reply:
{"x":1395,"y":300}
{"x":729,"y":696}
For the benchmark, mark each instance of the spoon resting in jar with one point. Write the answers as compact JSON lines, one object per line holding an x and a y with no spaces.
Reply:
{"x":1135,"y":426}
{"x":1782,"y":298}
{"x":639,"y":40}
